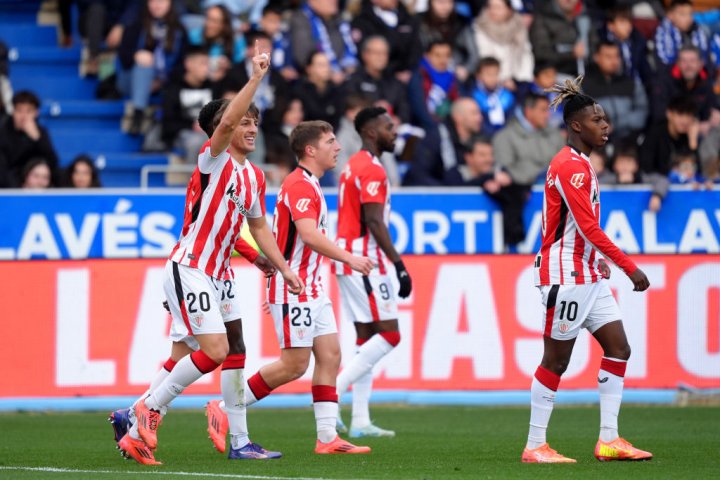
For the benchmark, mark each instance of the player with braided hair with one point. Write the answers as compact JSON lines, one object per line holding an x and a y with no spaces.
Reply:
{"x":571,"y":274}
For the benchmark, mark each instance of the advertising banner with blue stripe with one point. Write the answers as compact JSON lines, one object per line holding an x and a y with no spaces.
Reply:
{"x":122,"y":224}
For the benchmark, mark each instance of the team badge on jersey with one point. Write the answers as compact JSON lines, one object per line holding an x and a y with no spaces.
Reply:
{"x":577,"y":180}
{"x":303,"y":204}
{"x":373,"y":187}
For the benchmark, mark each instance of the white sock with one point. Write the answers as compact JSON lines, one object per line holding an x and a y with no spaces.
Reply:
{"x":610,"y":387}
{"x":159,"y":377}
{"x":325,"y":415}
{"x":362,"y":388}
{"x":249,"y":396}
{"x":364,"y":360}
{"x":182,"y":376}
{"x":232,"y":385}
{"x":542,"y":400}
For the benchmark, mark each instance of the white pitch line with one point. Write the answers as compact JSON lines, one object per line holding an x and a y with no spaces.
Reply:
{"x":186,"y":474}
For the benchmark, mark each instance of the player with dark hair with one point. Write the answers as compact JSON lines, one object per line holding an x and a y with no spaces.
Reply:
{"x":305,"y":323}
{"x":199,"y":283}
{"x":370,"y":300}
{"x":572,"y":277}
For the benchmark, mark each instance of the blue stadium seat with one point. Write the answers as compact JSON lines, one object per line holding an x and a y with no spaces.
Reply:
{"x":27,"y":34}
{"x":78,"y":140}
{"x":25,"y":61}
{"x":50,"y":87}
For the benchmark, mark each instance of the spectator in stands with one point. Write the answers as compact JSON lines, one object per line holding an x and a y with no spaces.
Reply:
{"x":439,"y":22}
{"x":679,"y":131}
{"x":218,"y":37}
{"x":684,"y":170}
{"x":96,"y":20}
{"x":82,"y":173}
{"x":391,"y":20}
{"x":279,"y":157}
{"x":317,"y":26}
{"x":495,"y":101}
{"x":374,"y":82}
{"x":622,"y":97}
{"x":22,"y":138}
{"x":433,"y":86}
{"x":618,"y":28}
{"x":686,"y":78}
{"x":273,"y":93}
{"x":272,"y":24}
{"x":561,"y":34}
{"x":710,"y":153}
{"x":626,"y":171}
{"x":498,"y":32}
{"x":478,"y":169}
{"x":321,"y":98}
{"x":245,"y":9}
{"x":444,"y":146}
{"x":599,"y":162}
{"x":183,"y":98}
{"x":524,"y":148}
{"x":36,"y":174}
{"x":152,"y":46}
{"x":677,"y":30}
{"x":544,"y":77}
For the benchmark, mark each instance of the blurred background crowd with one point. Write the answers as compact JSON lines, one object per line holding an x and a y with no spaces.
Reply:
{"x":465,"y":82}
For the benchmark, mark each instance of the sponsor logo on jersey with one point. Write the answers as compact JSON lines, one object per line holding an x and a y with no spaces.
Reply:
{"x":302,"y":205}
{"x":373,"y":188}
{"x":231,"y":192}
{"x":577,"y":180}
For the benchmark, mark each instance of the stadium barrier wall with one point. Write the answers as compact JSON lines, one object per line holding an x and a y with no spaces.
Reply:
{"x":119,"y":224}
{"x":97,"y":328}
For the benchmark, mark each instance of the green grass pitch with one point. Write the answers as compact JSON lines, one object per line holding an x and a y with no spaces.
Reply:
{"x":432,"y":443}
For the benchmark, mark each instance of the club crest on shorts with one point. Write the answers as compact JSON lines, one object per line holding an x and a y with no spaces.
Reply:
{"x":564,"y":327}
{"x":577,"y":180}
{"x":226,"y":307}
{"x":198,"y":320}
{"x":300,"y":333}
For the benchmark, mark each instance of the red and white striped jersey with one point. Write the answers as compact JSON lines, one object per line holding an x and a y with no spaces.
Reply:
{"x":363,"y":180}
{"x":300,"y":196}
{"x":220,"y":194}
{"x":571,"y":233}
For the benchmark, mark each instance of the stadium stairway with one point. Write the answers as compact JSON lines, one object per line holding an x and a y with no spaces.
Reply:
{"x":77,"y":122}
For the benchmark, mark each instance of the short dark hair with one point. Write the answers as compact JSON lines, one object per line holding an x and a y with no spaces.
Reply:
{"x":478,"y":140}
{"x":619,"y":12}
{"x":193,"y":50}
{"x":372,"y":38}
{"x":690,"y":48}
{"x":437,"y":42}
{"x":606,"y":43}
{"x":542,"y":65}
{"x":254,"y":34}
{"x":679,"y":3}
{"x":682,"y":104}
{"x":485,"y":62}
{"x":206,"y":117}
{"x":307,"y":133}
{"x":682,"y":154}
{"x":274,"y":9}
{"x":26,"y":96}
{"x":367,"y":115}
{"x":532,"y":98}
{"x":626,"y":148}
{"x":312,"y":56}
{"x":211,"y":114}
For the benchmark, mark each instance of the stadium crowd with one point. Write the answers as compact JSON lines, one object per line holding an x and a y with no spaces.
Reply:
{"x":464,"y":80}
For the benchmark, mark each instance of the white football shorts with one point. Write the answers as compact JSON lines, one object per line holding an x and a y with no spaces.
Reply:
{"x":568,"y":308}
{"x":297,"y":324}
{"x":199,"y":304}
{"x":368,"y":299}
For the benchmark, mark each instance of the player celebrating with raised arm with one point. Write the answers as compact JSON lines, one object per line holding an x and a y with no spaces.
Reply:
{"x":198,"y":291}
{"x":306,"y":324}
{"x":363,"y":216}
{"x":571,"y":276}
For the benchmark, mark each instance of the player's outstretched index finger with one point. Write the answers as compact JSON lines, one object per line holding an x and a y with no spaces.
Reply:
{"x":257,"y":47}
